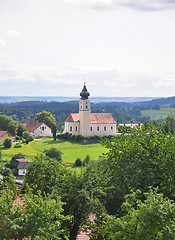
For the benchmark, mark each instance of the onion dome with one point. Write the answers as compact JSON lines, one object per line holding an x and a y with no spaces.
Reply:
{"x":84,"y":93}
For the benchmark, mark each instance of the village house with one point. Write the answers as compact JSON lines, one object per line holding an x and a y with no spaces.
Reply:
{"x":3,"y":136}
{"x":38,"y":129}
{"x":22,"y":166}
{"x":87,"y":123}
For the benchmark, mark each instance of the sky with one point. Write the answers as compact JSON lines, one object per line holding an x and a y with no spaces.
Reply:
{"x":120,"y":48}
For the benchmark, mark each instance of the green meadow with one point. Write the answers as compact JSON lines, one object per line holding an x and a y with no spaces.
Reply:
{"x":158,"y":114}
{"x":70,"y":150}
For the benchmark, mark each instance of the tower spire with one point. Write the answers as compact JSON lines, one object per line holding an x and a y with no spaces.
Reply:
{"x":84,"y":93}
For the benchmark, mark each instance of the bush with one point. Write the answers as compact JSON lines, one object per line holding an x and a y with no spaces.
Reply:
{"x":78,"y":162}
{"x":86,"y":160}
{"x":28,"y":136}
{"x":7,"y":143}
{"x":53,"y":153}
{"x":17,"y":145}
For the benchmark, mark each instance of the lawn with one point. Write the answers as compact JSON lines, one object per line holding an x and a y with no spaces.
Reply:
{"x":71,"y":150}
{"x":158,"y":114}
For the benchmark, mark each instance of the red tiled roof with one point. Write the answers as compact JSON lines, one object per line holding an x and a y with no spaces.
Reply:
{"x":21,"y":160}
{"x":31,"y":127}
{"x":102,"y":118}
{"x":2,"y":133}
{"x":95,"y":118}
{"x":73,"y":117}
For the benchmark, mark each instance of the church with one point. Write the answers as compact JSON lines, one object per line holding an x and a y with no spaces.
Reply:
{"x":87,"y":123}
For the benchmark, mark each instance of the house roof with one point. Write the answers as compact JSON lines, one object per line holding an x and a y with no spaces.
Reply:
{"x":2,"y":133}
{"x":32,"y":126}
{"x":73,"y":117}
{"x":102,"y":118}
{"x":21,"y":160}
{"x":23,"y":165}
{"x":98,"y":118}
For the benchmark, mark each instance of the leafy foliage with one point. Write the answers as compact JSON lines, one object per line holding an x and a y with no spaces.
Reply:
{"x":53,"y":153}
{"x":27,"y":136}
{"x":151,"y":218}
{"x":144,"y":158}
{"x":78,"y":162}
{"x":47,"y":118}
{"x":7,"y":143}
{"x":34,"y":217}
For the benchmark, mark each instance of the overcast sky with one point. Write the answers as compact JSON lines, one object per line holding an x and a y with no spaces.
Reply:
{"x":120,"y":47}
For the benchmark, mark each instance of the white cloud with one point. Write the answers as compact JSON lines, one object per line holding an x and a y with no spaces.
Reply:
{"x":116,"y":81}
{"x":2,"y":43}
{"x":12,"y":33}
{"x":147,"y":4}
{"x":136,"y":4}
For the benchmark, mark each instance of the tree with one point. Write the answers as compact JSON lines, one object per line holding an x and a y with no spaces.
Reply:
{"x":151,"y":218}
{"x":28,"y":136}
{"x":48,"y":119}
{"x":31,"y":216}
{"x":78,"y":162}
{"x":136,"y":161}
{"x":8,"y":179}
{"x":45,"y":174}
{"x":8,"y":124}
{"x":170,"y":124}
{"x":49,"y":176}
{"x":53,"y":153}
{"x":86,"y":160}
{"x":21,"y":129}
{"x":7,"y":143}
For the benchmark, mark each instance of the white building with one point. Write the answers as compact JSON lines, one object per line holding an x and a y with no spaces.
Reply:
{"x":87,"y":123}
{"x":38,"y":129}
{"x":22,"y":166}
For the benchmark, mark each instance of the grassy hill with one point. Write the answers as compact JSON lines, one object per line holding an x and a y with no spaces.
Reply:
{"x":71,"y":150}
{"x":158,"y":114}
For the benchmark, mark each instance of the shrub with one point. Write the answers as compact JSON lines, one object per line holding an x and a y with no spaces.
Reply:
{"x":28,"y":136}
{"x":86,"y":160}
{"x":78,"y":162}
{"x":7,"y":143}
{"x":53,"y":153}
{"x":17,"y":145}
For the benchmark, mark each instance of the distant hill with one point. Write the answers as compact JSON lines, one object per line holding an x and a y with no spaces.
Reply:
{"x":14,"y":99}
{"x":161,"y":102}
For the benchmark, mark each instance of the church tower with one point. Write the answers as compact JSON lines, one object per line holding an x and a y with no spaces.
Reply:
{"x":84,"y":112}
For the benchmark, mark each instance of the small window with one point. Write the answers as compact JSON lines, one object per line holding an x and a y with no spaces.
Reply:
{"x":86,"y":106}
{"x":91,"y":129}
{"x":98,"y":128}
{"x":43,"y":128}
{"x":70,"y":128}
{"x":76,"y":129}
{"x":104,"y":128}
{"x":111,"y":127}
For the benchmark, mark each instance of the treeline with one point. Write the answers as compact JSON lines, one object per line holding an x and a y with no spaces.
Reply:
{"x":123,"y":112}
{"x":26,"y":111}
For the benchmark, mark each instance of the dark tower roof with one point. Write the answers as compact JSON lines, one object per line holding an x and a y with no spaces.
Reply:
{"x":84,"y":93}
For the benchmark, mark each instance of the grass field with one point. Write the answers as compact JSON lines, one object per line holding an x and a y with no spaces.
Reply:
{"x":158,"y":114}
{"x":71,"y":150}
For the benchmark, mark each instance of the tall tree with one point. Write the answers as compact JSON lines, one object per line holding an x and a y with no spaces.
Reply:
{"x":48,"y":119}
{"x":139,"y":160}
{"x":151,"y":218}
{"x":31,"y":216}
